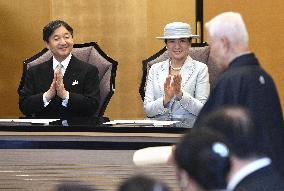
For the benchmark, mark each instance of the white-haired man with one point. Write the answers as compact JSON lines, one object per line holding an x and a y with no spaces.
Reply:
{"x":243,"y":81}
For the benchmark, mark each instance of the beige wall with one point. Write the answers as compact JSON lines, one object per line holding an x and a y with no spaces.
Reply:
{"x":265,"y":23}
{"x":20,"y":37}
{"x":126,"y":30}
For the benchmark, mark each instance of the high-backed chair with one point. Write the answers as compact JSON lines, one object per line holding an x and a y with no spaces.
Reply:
{"x":92,"y":54}
{"x":199,"y":52}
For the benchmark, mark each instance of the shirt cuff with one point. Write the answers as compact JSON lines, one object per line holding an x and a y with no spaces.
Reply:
{"x":45,"y":102}
{"x":178,"y":98}
{"x":65,"y":101}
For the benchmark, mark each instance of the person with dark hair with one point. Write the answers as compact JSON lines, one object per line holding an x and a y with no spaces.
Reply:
{"x":250,"y":169}
{"x":64,"y":86}
{"x":202,"y":161}
{"x":221,"y":150}
{"x":236,"y":123}
{"x":178,"y":87}
{"x":142,"y":183}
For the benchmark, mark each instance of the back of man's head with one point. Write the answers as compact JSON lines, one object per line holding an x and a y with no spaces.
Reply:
{"x":236,"y":124}
{"x":204,"y":155}
{"x":230,"y":25}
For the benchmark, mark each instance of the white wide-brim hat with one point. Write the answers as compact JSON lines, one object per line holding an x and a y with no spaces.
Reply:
{"x":177,"y":30}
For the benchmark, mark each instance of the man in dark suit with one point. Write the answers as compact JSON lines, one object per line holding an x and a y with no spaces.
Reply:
{"x":223,"y":148}
{"x":243,"y":81}
{"x":64,"y":86}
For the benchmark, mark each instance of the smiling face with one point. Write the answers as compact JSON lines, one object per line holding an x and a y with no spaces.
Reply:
{"x":60,"y":43}
{"x":178,"y":48}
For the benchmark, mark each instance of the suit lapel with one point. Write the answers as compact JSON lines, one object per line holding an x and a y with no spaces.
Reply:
{"x":161,"y":76}
{"x":72,"y":72}
{"x":186,"y":71}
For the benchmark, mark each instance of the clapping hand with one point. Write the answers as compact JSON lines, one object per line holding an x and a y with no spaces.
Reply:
{"x":60,"y":89}
{"x":50,"y":93}
{"x":168,"y":89}
{"x":177,"y":85}
{"x":56,"y":87}
{"x":172,"y":87}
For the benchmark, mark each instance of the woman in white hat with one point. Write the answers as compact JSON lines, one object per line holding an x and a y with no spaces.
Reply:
{"x":178,"y":87}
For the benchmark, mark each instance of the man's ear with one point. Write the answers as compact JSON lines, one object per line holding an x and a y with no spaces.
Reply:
{"x":226,"y":43}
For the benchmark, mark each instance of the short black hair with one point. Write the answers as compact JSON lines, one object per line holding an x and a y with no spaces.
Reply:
{"x":50,"y":28}
{"x":237,"y":125}
{"x":201,"y":154}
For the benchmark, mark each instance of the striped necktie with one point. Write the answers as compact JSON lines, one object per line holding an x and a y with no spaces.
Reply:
{"x":60,"y":67}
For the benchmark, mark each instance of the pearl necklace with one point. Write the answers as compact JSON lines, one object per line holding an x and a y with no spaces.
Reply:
{"x":173,"y":68}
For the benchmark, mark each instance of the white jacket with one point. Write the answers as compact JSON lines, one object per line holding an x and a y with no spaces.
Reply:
{"x":195,"y":87}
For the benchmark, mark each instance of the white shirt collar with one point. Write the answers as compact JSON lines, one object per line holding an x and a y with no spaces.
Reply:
{"x":64,"y":63}
{"x":246,"y":170}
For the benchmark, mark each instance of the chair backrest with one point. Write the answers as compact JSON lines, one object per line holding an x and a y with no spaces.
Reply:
{"x":92,"y":54}
{"x":199,"y":52}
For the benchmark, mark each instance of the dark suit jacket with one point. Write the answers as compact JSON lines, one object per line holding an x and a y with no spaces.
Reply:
{"x":264,"y":179}
{"x":83,"y":97}
{"x":245,"y":83}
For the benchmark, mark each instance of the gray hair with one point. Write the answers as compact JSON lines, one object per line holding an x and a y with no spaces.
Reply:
{"x":230,"y":25}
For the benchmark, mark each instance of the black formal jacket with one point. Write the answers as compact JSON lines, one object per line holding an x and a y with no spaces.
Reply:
{"x":80,"y":79}
{"x":264,"y":179}
{"x":245,"y":83}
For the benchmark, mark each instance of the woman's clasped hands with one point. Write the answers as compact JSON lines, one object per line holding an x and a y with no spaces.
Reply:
{"x":172,"y":87}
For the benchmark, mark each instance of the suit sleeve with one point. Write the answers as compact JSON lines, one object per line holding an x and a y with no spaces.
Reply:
{"x":153,"y":106}
{"x":30,"y":102}
{"x":87,"y":102}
